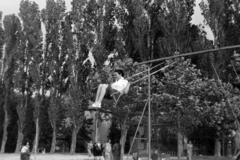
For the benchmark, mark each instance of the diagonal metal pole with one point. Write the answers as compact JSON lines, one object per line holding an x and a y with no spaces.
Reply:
{"x":149,"y":114}
{"x":190,"y":54}
{"x":137,"y":127}
{"x":96,"y":126}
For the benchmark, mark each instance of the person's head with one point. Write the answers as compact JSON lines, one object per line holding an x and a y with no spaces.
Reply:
{"x":25,"y":144}
{"x":28,"y":144}
{"x":118,"y":73}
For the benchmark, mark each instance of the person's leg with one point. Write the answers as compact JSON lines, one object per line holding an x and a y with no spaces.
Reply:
{"x":98,"y":92}
{"x":89,"y":153}
{"x":101,"y":93}
{"x":21,"y":156}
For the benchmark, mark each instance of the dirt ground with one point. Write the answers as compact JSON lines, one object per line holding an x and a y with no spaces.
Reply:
{"x":56,"y":156}
{"x":50,"y":157}
{"x":46,"y":157}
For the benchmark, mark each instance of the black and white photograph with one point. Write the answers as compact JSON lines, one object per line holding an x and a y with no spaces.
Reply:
{"x":119,"y":80}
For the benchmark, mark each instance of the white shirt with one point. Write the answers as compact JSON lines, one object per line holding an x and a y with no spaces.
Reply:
{"x":120,"y":84}
{"x":24,"y":149}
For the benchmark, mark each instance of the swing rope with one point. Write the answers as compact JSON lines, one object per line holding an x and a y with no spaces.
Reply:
{"x":161,"y":69}
{"x":115,"y":104}
{"x":235,"y":71}
{"x":143,"y":71}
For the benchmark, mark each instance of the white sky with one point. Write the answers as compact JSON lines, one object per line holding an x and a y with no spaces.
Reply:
{"x":12,"y":7}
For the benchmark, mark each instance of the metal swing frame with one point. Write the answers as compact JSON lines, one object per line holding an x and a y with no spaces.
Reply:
{"x":148,"y":102}
{"x":149,"y":86}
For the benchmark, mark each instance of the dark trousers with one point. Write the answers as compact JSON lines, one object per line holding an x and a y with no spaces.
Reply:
{"x":25,"y":156}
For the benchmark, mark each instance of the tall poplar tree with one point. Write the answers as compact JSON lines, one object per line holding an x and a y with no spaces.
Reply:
{"x":12,"y":28}
{"x":53,"y":19}
{"x":30,"y":44}
{"x":1,"y":45}
{"x":174,"y":19}
{"x":80,"y":42}
{"x":216,"y":16}
{"x":1,"y":69}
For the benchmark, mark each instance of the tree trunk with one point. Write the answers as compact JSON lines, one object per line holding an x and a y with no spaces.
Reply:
{"x":124,"y":131}
{"x":21,"y":111}
{"x":179,"y":139}
{"x":74,"y":140}
{"x":36,"y":139}
{"x":5,"y":126}
{"x":54,"y":136}
{"x":180,"y":145}
{"x":20,"y":138}
{"x":217,"y":148}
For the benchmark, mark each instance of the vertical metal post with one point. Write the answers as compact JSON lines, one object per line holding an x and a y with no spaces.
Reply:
{"x":149,"y":115}
{"x":96,"y":126}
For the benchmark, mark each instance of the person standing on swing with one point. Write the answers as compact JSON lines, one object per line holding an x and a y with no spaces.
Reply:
{"x":120,"y":85}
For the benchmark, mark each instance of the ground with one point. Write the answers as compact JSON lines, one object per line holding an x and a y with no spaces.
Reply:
{"x":46,"y":157}
{"x":85,"y":157}
{"x":50,"y":157}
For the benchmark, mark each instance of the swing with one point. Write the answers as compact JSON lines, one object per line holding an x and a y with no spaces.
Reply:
{"x":110,"y":96}
{"x":91,"y":109}
{"x":126,"y":89}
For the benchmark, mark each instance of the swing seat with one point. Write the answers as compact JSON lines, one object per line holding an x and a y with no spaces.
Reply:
{"x":125,"y":91}
{"x":91,"y":109}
